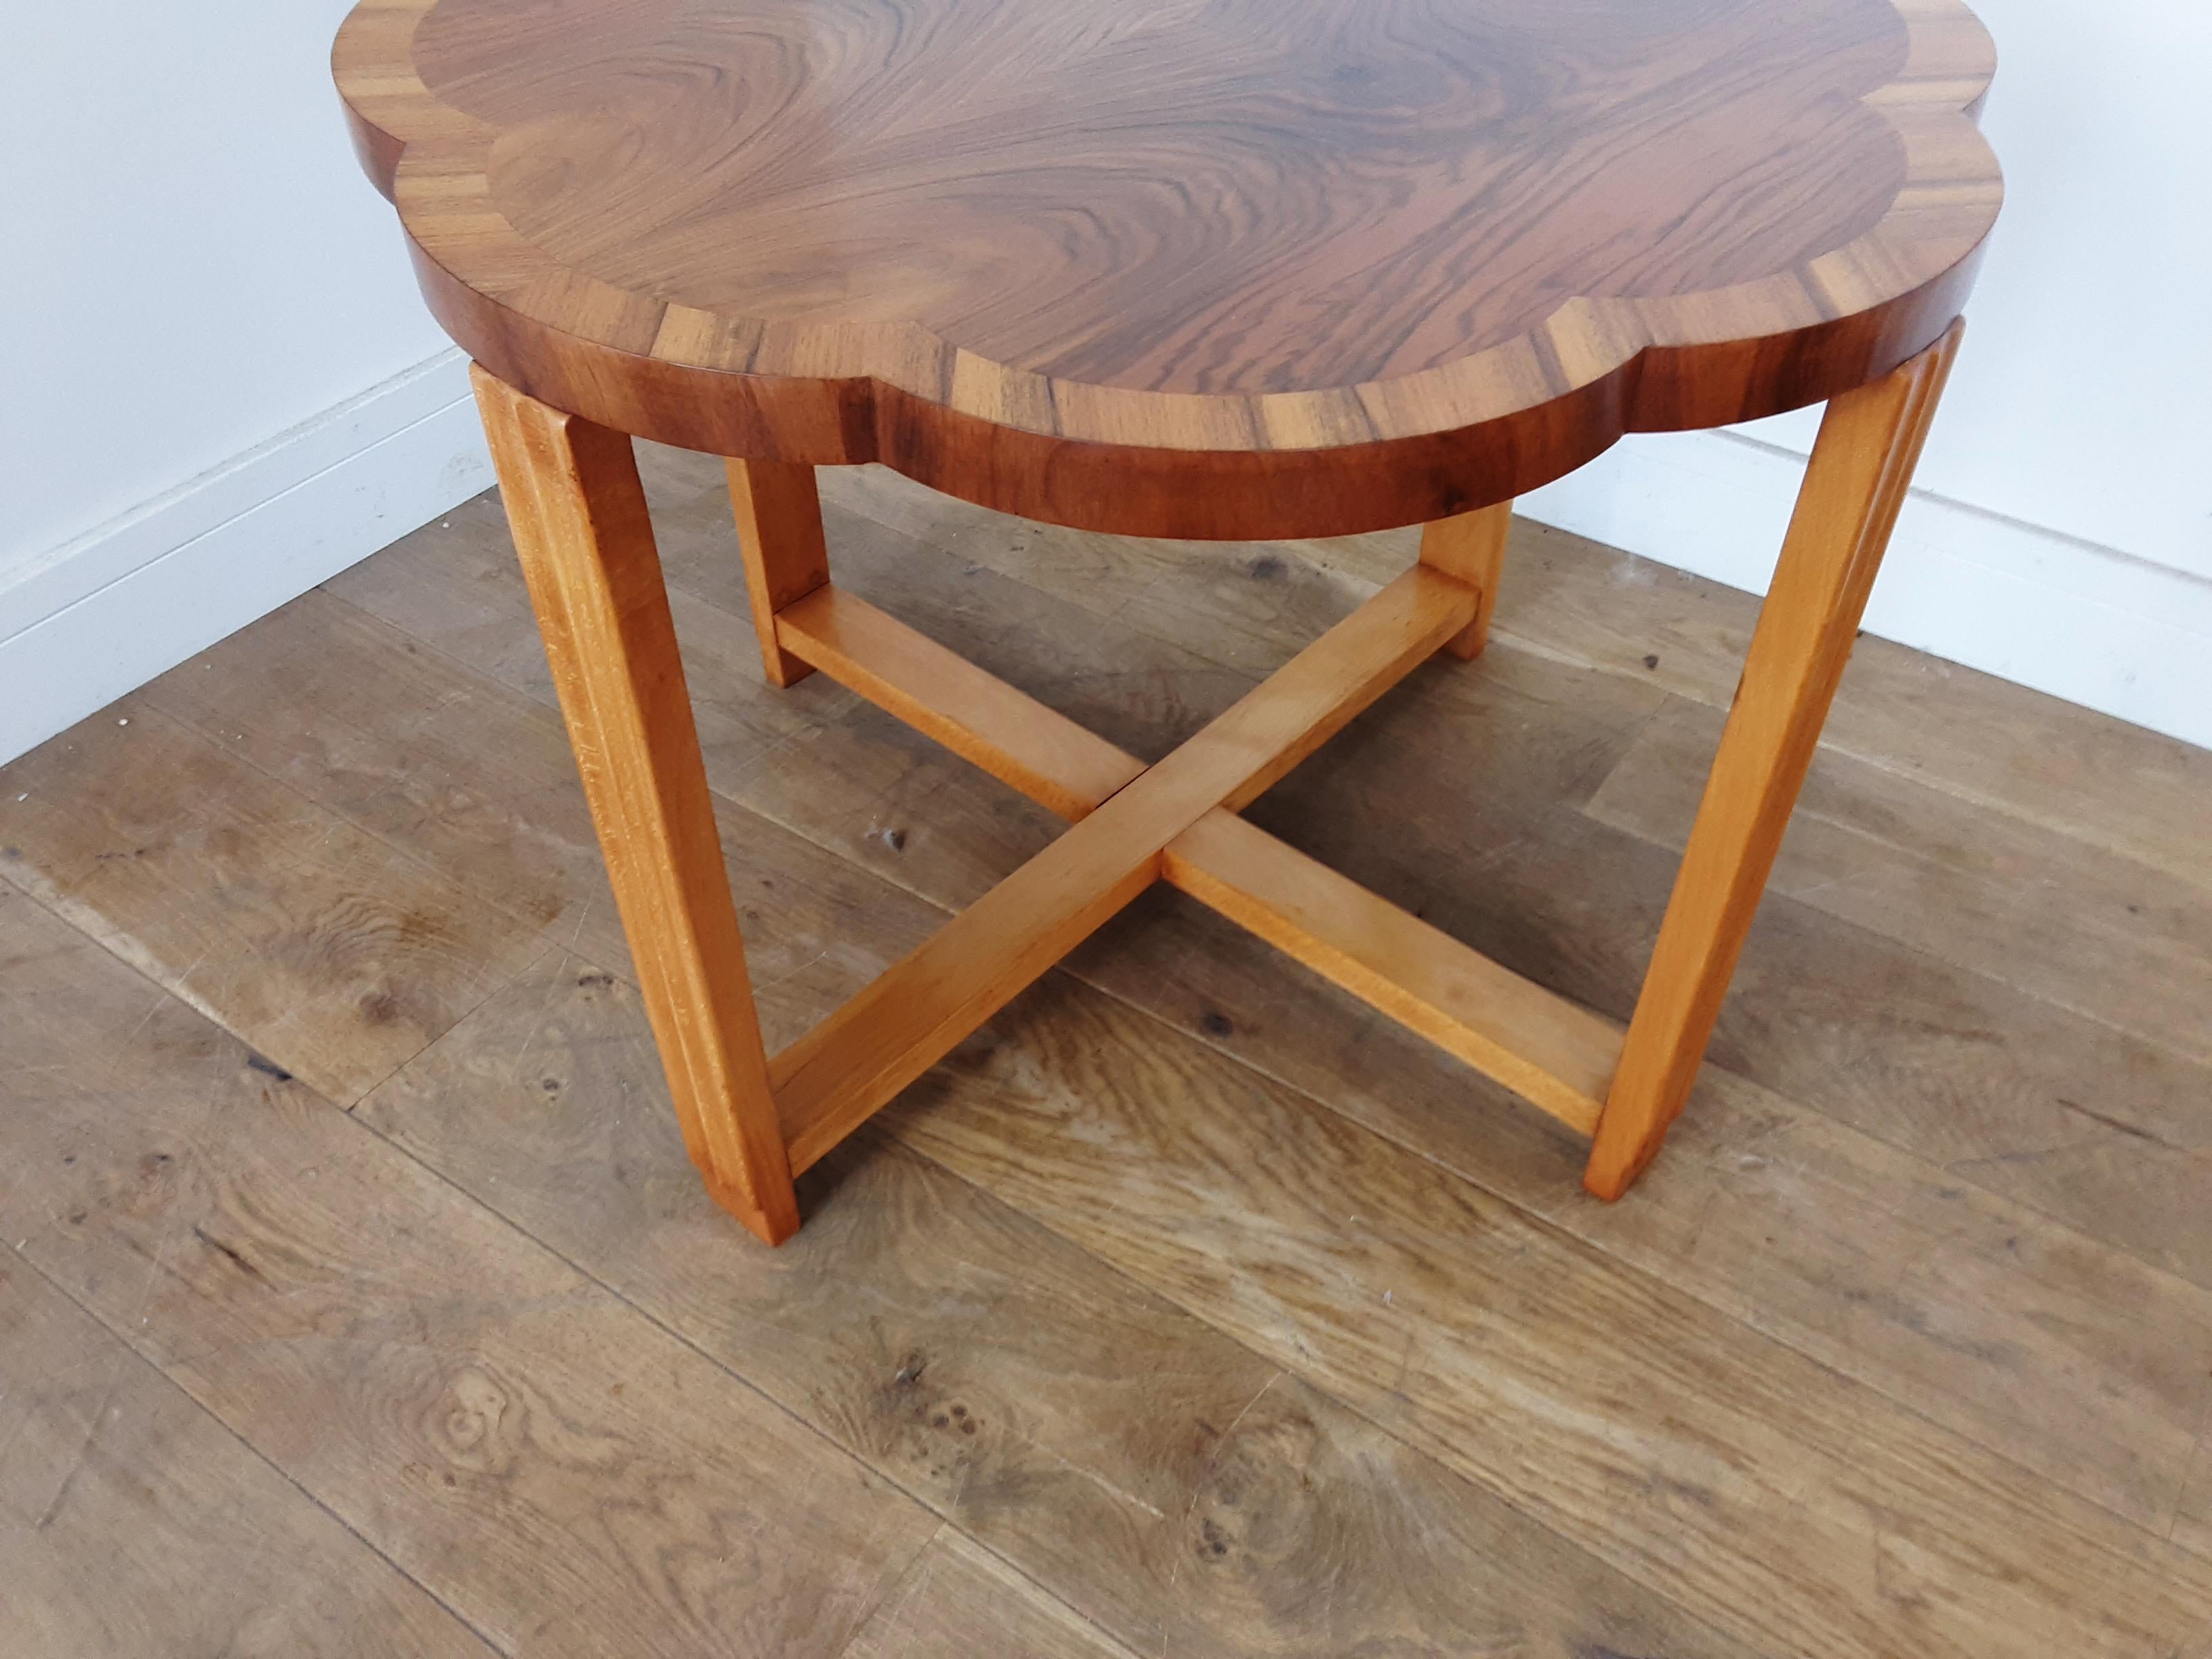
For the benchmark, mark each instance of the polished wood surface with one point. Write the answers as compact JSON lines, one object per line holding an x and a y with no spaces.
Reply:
{"x":1212,"y":269}
{"x":1854,"y":489}
{"x":585,"y":542}
{"x":1284,"y":1333}
{"x":1062,"y":767}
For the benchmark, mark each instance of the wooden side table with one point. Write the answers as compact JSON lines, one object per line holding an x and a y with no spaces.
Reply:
{"x":1200,"y":268}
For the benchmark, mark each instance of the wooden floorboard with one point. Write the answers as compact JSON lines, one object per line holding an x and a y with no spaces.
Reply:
{"x":1957,"y":1067}
{"x":132,"y":1521}
{"x":1537,"y":729}
{"x":2008,"y":751}
{"x":2017,"y":753}
{"x":1906,"y":1345}
{"x":360,"y":718}
{"x":306,"y":936}
{"x":1172,"y":1487}
{"x":1660,"y":1435}
{"x":2082,"y":927}
{"x":958,"y":1601}
{"x":564,"y":1476}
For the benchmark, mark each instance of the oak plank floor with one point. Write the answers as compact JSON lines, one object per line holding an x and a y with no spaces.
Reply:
{"x":132,"y":1521}
{"x":564,"y":1476}
{"x":294,"y":929}
{"x":1172,"y":1487}
{"x":2081,"y":927}
{"x":1191,"y":1309}
{"x":1552,"y":897}
{"x":956,"y":1588}
{"x":2108,"y":1130}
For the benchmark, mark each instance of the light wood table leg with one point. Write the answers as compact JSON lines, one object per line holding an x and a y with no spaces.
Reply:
{"x":585,"y":542}
{"x":579,"y":523}
{"x":1855,"y":485}
{"x":1471,"y":547}
{"x":780,"y":538}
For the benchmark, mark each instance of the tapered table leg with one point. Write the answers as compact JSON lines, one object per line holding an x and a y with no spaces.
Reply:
{"x":780,"y":538}
{"x":1471,"y":547}
{"x":579,"y":523}
{"x":1854,"y":487}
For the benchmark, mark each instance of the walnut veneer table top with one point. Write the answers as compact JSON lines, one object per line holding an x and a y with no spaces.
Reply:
{"x":1206,"y":267}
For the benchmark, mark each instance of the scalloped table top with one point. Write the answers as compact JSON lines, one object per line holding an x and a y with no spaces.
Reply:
{"x":1195,"y":267}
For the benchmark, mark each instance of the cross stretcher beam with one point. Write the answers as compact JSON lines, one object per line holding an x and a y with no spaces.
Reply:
{"x":829,"y":1081}
{"x":1558,"y":1055}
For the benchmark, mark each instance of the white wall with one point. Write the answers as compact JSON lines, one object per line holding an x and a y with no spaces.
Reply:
{"x":2062,"y":532}
{"x":212,"y":349}
{"x":222,"y":387}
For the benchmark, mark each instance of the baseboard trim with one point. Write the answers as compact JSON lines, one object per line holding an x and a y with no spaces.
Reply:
{"x":89,"y":620}
{"x":100,"y":614}
{"x":2089,"y":624}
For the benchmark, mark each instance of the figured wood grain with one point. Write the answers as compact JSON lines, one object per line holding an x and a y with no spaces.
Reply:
{"x":830,"y":1080}
{"x":585,"y":542}
{"x":1854,"y":488}
{"x":1219,"y":268}
{"x":1551,"y":1053}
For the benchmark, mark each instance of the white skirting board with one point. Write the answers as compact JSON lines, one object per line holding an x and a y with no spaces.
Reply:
{"x":98,"y":615}
{"x":106,"y":612}
{"x":2089,"y":624}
